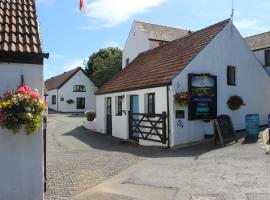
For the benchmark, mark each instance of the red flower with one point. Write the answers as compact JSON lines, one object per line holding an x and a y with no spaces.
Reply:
{"x":21,"y":90}
{"x":27,"y":88}
{"x":34,"y":95}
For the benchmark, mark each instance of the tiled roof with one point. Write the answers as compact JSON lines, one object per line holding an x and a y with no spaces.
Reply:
{"x":161,"y":33}
{"x":58,"y":81}
{"x":260,"y":41}
{"x":158,"y":67}
{"x":19,"y":28}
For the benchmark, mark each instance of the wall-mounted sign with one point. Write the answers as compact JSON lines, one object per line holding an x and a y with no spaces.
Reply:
{"x":202,"y":89}
{"x":179,"y":114}
{"x":180,"y":123}
{"x":252,"y":125}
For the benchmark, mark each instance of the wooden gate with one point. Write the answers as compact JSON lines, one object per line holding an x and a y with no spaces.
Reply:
{"x":150,"y":127}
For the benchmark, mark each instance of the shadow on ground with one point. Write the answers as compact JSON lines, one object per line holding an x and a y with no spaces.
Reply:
{"x":108,"y":143}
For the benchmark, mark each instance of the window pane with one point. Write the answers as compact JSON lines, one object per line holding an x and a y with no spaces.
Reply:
{"x":267,"y":57}
{"x":151,"y":103}
{"x":231,"y":75}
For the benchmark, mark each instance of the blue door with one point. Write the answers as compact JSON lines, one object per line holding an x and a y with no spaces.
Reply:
{"x":134,"y":108}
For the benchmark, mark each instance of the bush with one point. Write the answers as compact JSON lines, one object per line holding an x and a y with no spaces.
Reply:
{"x":90,"y":115}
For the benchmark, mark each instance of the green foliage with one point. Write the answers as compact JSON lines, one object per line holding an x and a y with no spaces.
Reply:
{"x":104,"y":64}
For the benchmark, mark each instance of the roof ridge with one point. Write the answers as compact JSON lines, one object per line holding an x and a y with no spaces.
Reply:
{"x":165,"y":26}
{"x":182,"y":38}
{"x":74,"y":69}
{"x":257,"y":34}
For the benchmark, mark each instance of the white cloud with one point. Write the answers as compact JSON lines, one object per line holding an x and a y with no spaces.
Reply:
{"x":112,"y":44}
{"x":249,"y":27}
{"x":108,"y":13}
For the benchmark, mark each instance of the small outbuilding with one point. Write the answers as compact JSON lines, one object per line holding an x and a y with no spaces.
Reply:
{"x":170,"y":95}
{"x":71,"y":91}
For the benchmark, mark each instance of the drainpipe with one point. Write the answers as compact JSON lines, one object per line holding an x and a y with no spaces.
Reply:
{"x":168,"y":113}
{"x":57,"y":100}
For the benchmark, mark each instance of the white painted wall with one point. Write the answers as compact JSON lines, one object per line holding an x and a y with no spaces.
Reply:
{"x":21,"y":168}
{"x":49,"y":99}
{"x":120,"y":123}
{"x":253,"y":83}
{"x":136,"y":43}
{"x":66,"y":91}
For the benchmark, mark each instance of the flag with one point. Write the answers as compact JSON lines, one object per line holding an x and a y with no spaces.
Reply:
{"x":83,"y":6}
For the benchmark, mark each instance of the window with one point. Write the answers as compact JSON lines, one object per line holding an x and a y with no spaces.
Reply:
{"x":127,"y":61}
{"x":151,"y":103}
{"x":109,"y":106}
{"x":53,"y":99}
{"x":80,"y":103}
{"x":79,"y":88}
{"x":267,"y":57}
{"x":119,"y":105}
{"x":231,"y":73}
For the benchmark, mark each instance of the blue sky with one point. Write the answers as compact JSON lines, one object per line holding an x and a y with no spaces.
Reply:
{"x":71,"y":36}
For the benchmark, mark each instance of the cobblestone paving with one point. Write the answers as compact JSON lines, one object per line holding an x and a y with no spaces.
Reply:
{"x":78,"y":159}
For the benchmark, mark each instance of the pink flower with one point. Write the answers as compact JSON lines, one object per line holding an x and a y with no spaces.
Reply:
{"x":21,"y":90}
{"x":34,"y":95}
{"x":27,"y":88}
{"x":8,"y":92}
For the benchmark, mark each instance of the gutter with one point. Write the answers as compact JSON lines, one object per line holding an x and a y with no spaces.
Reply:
{"x":168,"y":113}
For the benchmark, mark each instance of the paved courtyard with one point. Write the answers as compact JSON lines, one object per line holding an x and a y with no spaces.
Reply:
{"x":236,"y":172}
{"x":78,"y":159}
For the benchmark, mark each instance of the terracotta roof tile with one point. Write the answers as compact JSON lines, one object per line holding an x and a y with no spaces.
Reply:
{"x":58,"y":81}
{"x":19,"y":27}
{"x":160,"y":65}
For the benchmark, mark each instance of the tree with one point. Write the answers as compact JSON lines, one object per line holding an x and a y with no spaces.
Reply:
{"x":104,"y":64}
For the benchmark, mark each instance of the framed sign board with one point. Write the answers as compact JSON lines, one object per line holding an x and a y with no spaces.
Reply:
{"x":202,"y":90}
{"x":224,"y":131}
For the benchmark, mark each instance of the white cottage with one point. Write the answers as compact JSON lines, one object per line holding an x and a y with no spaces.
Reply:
{"x":145,"y":36}
{"x":71,"y":91}
{"x":214,"y":63}
{"x":21,"y":168}
{"x":260,"y":45}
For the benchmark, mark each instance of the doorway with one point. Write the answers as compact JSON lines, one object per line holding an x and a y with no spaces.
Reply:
{"x":134,"y":108}
{"x":80,"y":103}
{"x":109,"y":115}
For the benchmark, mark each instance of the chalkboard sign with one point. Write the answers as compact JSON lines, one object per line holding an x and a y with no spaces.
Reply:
{"x":252,"y":125}
{"x":224,"y":131}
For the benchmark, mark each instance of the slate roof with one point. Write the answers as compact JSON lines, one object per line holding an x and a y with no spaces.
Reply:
{"x":161,"y":33}
{"x":158,"y":67}
{"x":260,"y":41}
{"x":58,"y":81}
{"x":19,"y":28}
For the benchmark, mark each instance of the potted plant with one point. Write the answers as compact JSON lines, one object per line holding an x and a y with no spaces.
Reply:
{"x":21,"y":109}
{"x":181,"y":98}
{"x":235,"y":102}
{"x":90,"y":115}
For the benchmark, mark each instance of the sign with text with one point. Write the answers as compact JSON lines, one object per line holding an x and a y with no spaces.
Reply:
{"x":203,"y":96}
{"x":252,"y":125}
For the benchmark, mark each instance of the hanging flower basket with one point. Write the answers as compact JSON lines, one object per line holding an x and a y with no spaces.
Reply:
{"x":181,"y":98}
{"x":235,"y":102}
{"x":21,"y":109}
